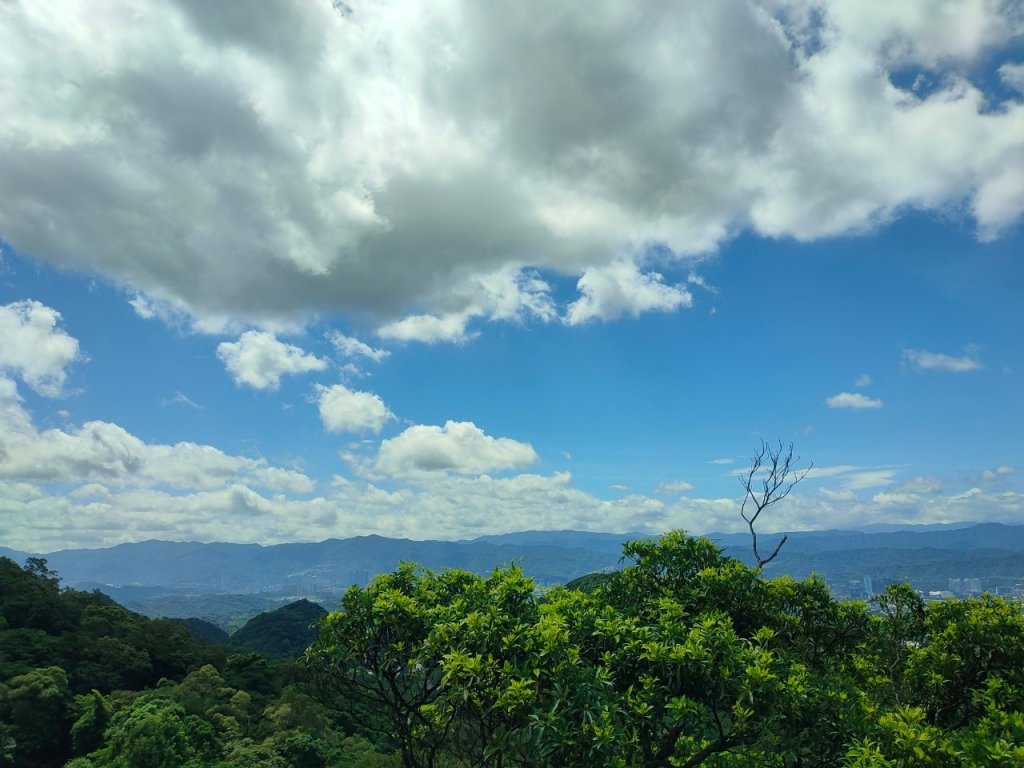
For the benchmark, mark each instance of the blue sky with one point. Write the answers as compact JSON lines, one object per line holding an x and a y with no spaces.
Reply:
{"x":312,"y":273}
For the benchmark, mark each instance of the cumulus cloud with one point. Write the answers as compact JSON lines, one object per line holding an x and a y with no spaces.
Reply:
{"x":429,"y":329}
{"x":346,"y":410}
{"x":509,"y":294}
{"x":98,"y":485}
{"x":890,"y":499}
{"x":458,"y":446}
{"x":1003,"y":470}
{"x":924,"y":360}
{"x":444,"y":506}
{"x":34,"y":348}
{"x":920,"y":485}
{"x":863,"y":380}
{"x":853,"y":400}
{"x":102,"y":452}
{"x":259,"y":360}
{"x":384,"y":160}
{"x":607,"y":293}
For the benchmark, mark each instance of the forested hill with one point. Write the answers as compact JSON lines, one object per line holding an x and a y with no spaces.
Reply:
{"x":285,"y":632}
{"x":86,"y":681}
{"x":928,"y":557}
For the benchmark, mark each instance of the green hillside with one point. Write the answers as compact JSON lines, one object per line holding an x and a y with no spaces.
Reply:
{"x":285,"y":632}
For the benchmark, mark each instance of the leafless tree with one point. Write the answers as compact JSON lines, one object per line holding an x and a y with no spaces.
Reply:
{"x":773,"y":474}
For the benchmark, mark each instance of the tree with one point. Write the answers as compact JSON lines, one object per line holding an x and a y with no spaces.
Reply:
{"x":773,"y":474}
{"x":157,"y":732}
{"x":92,"y":716}
{"x":38,"y":567}
{"x":38,"y":702}
{"x":685,"y":657}
{"x":380,"y":657}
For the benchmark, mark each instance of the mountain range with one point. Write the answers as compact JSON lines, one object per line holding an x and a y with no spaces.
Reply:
{"x":934,"y":554}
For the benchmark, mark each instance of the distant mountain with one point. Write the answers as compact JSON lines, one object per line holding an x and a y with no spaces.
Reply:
{"x":15,"y":555}
{"x":327,"y":566}
{"x":181,"y":578}
{"x":148,"y":563}
{"x":285,"y":632}
{"x":890,"y":527}
{"x":610,"y":543}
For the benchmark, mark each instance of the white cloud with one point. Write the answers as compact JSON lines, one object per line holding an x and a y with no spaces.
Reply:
{"x":1003,"y":470}
{"x":259,"y":360}
{"x":181,"y":399}
{"x":34,"y":348}
{"x":106,"y":453}
{"x":920,"y":485}
{"x":677,"y":486}
{"x":429,"y":329}
{"x":853,"y":400}
{"x":828,"y":471}
{"x":873,"y":478}
{"x":852,"y":478}
{"x":445,"y":506}
{"x":694,"y":279}
{"x":828,"y":493}
{"x":886,"y":499}
{"x":112,"y":488}
{"x":352,"y":347}
{"x":458,"y":446}
{"x":608,"y":292}
{"x":721,"y":461}
{"x":924,"y":360}
{"x":863,"y":380}
{"x":346,"y":410}
{"x":510,"y":294}
{"x":401,"y":150}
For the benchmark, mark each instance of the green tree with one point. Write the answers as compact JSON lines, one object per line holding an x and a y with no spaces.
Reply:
{"x":38,"y":706}
{"x":91,"y":714}
{"x":684,"y":657}
{"x":156,"y":732}
{"x":969,"y":643}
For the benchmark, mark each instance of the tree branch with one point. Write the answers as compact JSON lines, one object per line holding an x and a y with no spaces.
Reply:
{"x":780,"y":476}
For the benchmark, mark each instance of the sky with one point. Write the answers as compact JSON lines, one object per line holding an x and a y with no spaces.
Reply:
{"x":299,"y":270}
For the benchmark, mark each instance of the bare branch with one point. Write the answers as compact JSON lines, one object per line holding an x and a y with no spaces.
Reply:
{"x":773,"y":474}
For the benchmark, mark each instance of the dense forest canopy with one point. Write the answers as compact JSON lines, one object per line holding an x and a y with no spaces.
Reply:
{"x":85,"y":683}
{"x":685,"y":657}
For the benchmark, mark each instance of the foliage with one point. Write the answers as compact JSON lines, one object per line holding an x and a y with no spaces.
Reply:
{"x":81,"y":688}
{"x":685,"y":657}
{"x":97,"y":642}
{"x":285,"y":632}
{"x":36,"y":713}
